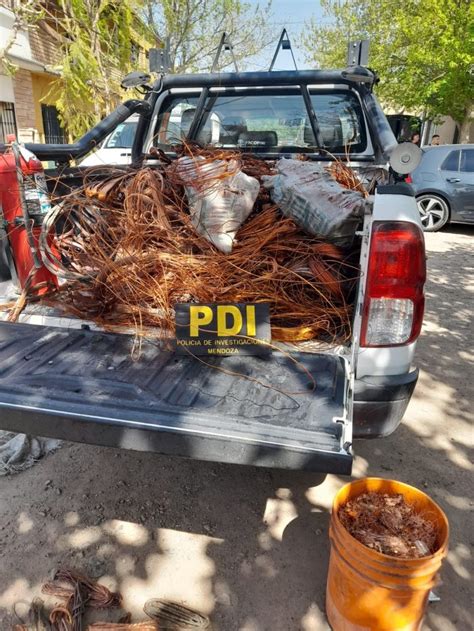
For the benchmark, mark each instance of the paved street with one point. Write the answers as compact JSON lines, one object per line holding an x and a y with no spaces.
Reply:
{"x":248,"y":546}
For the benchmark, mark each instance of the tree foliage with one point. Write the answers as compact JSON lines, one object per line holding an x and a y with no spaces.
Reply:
{"x":194,"y":27}
{"x":423,"y":50}
{"x":98,"y":36}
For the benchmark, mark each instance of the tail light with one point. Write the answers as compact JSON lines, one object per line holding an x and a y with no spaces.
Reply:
{"x":408,"y":179}
{"x":394,"y":299}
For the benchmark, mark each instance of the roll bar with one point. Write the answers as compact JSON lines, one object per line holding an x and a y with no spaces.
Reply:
{"x":92,"y":138}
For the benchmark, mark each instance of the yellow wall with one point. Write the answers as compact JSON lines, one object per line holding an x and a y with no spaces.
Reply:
{"x":42,"y":93}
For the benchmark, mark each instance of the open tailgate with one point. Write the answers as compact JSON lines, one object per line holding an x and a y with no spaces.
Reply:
{"x":84,"y":386}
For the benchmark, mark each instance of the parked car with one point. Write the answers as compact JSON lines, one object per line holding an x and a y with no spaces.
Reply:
{"x":444,"y":186}
{"x":82,"y":385}
{"x":116,"y":148}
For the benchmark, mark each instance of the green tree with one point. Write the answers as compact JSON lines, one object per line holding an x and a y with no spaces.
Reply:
{"x":421,"y":49}
{"x":98,"y":36}
{"x":193,"y":29}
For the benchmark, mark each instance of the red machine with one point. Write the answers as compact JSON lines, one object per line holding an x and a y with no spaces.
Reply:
{"x":24,"y":201}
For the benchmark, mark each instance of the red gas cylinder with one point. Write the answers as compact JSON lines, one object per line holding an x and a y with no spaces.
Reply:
{"x":24,"y":201}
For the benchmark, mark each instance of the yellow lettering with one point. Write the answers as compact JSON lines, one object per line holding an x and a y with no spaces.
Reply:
{"x":222,"y":328}
{"x":251,"y":320}
{"x":199,"y":315}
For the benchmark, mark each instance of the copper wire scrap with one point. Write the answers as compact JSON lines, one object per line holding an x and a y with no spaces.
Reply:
{"x":171,"y":615}
{"x":129,"y":252}
{"x":125,"y":626}
{"x":77,"y":592}
{"x":37,"y":618}
{"x":346,"y":176}
{"x":388,"y":524}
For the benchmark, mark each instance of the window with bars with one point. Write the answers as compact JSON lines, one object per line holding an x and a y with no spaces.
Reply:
{"x":7,"y":120}
{"x":53,"y":131}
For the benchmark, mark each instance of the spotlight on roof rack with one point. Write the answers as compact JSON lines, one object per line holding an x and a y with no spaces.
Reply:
{"x":136,"y":79}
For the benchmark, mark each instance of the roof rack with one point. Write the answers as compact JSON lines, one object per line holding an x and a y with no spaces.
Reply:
{"x":283,"y":44}
{"x":226,"y":45}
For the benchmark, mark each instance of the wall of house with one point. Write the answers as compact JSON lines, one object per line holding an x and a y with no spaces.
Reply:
{"x":45,"y":45}
{"x":466,"y":133}
{"x":43,"y":92}
{"x":6,"y":89}
{"x":446,"y":130}
{"x":21,"y":45}
{"x":25,"y":106}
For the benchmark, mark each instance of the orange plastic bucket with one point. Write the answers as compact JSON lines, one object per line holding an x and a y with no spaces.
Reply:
{"x":368,"y":590}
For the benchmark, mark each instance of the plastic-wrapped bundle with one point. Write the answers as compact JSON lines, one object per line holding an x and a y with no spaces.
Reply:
{"x":307,"y":193}
{"x":220,"y":198}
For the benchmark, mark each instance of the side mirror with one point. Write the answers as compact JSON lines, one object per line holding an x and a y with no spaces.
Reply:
{"x":135,"y":79}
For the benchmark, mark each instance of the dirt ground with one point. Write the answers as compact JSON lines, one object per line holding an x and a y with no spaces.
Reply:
{"x":250,"y":546}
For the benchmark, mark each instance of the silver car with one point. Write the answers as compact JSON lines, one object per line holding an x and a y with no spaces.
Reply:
{"x":444,"y":185}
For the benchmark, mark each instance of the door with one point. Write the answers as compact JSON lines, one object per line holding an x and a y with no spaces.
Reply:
{"x":457,"y":176}
{"x":465,"y":187}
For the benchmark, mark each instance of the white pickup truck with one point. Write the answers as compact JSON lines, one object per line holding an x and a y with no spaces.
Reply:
{"x":59,"y":378}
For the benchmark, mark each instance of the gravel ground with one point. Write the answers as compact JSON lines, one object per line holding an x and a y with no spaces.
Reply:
{"x":249,"y":546}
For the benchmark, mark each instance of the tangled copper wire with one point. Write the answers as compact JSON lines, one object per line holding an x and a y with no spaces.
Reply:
{"x":132,"y":626}
{"x":128,"y":252}
{"x":76,"y":593}
{"x":346,"y":176}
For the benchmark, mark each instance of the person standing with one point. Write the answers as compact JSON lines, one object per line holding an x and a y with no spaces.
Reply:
{"x":435,"y":140}
{"x":415,"y":138}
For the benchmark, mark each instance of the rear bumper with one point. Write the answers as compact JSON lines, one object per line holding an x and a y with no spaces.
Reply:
{"x":380,"y":403}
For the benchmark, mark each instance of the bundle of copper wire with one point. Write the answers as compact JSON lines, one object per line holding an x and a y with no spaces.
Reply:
{"x":129,"y":253}
{"x":76,"y":593}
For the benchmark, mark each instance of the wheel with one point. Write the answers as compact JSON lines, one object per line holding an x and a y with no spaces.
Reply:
{"x":434,"y":211}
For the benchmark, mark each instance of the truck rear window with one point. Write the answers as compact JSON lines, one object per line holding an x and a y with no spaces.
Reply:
{"x":266,"y":121}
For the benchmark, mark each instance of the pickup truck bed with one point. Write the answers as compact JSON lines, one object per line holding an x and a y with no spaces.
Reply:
{"x":84,"y":386}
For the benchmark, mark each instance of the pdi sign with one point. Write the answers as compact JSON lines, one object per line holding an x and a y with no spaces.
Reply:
{"x":223,"y":329}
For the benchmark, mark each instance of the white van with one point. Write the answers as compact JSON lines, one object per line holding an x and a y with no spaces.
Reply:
{"x":117,"y":147}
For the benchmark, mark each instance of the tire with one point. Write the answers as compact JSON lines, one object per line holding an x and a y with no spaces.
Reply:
{"x":434,"y":211}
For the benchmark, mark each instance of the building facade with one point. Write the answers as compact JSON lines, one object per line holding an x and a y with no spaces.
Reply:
{"x":28,"y":95}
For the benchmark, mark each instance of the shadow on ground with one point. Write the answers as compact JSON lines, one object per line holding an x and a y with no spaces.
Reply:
{"x":250,"y":546}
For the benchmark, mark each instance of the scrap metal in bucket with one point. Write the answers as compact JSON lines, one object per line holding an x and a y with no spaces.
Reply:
{"x":367,"y":589}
